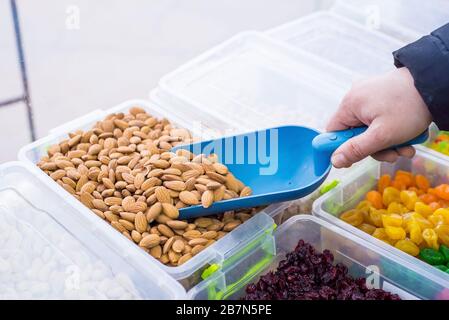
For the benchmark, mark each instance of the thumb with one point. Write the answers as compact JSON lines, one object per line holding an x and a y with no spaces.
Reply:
{"x":374,"y":139}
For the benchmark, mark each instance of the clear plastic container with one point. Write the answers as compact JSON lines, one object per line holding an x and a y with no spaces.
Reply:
{"x":190,"y":272}
{"x":406,"y":20}
{"x":252,"y":81}
{"x":364,"y":259}
{"x":427,"y":147}
{"x":341,"y":41}
{"x":359,"y":181}
{"x":47,"y":250}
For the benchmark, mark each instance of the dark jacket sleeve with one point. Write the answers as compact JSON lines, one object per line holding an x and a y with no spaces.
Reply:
{"x":428,"y":62}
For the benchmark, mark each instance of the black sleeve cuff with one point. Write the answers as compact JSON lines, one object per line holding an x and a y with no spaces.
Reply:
{"x":428,"y":62}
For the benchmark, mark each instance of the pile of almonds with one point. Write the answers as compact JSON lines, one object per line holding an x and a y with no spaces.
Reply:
{"x":124,"y":171}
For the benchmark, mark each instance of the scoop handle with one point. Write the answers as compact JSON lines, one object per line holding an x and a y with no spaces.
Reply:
{"x":327,"y":143}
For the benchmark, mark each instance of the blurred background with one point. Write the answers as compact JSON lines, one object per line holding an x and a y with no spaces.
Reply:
{"x":82,"y":55}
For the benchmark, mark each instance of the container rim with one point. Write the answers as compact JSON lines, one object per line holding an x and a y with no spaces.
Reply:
{"x":420,"y":266}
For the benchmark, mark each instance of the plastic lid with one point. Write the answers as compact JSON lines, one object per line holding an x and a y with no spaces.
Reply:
{"x":405,"y":19}
{"x":252,"y":81}
{"x":341,"y":41}
{"x":47,"y":253}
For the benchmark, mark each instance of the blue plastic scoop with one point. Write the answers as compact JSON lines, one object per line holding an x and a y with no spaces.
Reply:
{"x":279,"y":164}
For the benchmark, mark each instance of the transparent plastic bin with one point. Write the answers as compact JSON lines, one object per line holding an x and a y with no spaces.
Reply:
{"x":357,"y":182}
{"x":190,"y":272}
{"x":364,"y":259}
{"x":434,"y":132}
{"x":406,"y":20}
{"x":48,"y":252}
{"x":252,"y":81}
{"x":341,"y":41}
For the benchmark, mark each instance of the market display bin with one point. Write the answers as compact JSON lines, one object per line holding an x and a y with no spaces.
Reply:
{"x":432,"y":146}
{"x":188,"y":273}
{"x":48,"y":251}
{"x":252,"y":81}
{"x":357,"y":183}
{"x":340,"y":40}
{"x":406,"y":20}
{"x":363,"y":259}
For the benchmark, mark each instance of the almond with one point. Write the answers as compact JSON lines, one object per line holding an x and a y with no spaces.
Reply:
{"x":58,"y":175}
{"x":175,"y":185}
{"x":200,"y":187}
{"x":150,"y":241}
{"x":188,"y":198}
{"x":197,"y":249}
{"x":149,"y":183}
{"x":136,"y":236}
{"x":192,"y":234}
{"x":141,"y":222}
{"x":197,"y":241}
{"x":231,"y":225}
{"x":232,"y":183}
{"x":156,"y":252}
{"x":128,"y":203}
{"x":128,"y":216}
{"x":127,"y":224}
{"x":118,"y":226}
{"x":219,"y":193}
{"x":173,"y":257}
{"x":209,"y":235}
{"x":213,"y":185}
{"x":99,"y":204}
{"x":190,"y":184}
{"x":164,"y":230}
{"x":178,"y":246}
{"x":89,"y":187}
{"x":62,"y":164}
{"x":139,"y":180}
{"x":163,"y":195}
{"x":111,"y":217}
{"x":129,"y":178}
{"x":246,"y":191}
{"x":216,"y":176}
{"x":111,"y":201}
{"x":76,"y":154}
{"x":108,"y":183}
{"x":99,"y":213}
{"x":138,"y":206}
{"x":136,"y":110}
{"x":203,"y":222}
{"x":190,"y":174}
{"x":207,"y":198}
{"x":184,"y":258}
{"x":168,"y":244}
{"x":161,"y":164}
{"x":153,"y":212}
{"x":86,"y":199}
{"x":170,"y":210}
{"x":220,"y":168}
{"x":177,"y":225}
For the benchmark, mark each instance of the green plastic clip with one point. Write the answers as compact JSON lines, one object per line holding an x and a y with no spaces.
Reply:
{"x":210,"y":270}
{"x":329,"y":186}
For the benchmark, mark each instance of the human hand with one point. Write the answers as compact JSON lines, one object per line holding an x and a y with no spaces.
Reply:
{"x":393,"y":110}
